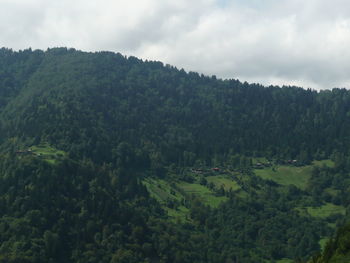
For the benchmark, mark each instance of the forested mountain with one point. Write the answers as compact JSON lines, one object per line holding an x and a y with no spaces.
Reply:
{"x":88,"y":103}
{"x":89,"y":141}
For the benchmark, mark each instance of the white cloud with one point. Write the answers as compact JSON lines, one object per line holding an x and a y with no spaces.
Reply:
{"x":268,"y":41}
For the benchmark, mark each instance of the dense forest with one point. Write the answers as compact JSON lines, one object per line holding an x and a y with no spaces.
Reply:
{"x":108,"y":158}
{"x":337,"y":249}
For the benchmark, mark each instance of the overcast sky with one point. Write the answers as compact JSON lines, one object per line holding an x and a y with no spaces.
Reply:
{"x":292,"y":42}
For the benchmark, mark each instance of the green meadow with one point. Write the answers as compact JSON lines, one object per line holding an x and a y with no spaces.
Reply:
{"x":203,"y":193}
{"x":48,"y":153}
{"x":224,"y":181}
{"x":287,"y":175}
{"x":285,"y":260}
{"x":291,"y":175}
{"x":325,"y":210}
{"x":181,"y":191}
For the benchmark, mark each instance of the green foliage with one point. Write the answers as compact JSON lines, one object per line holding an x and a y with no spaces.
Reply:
{"x":88,"y":103}
{"x":287,"y":175}
{"x":285,"y":260}
{"x":337,"y":249}
{"x":226,"y":183}
{"x":100,"y":123}
{"x":203,"y":193}
{"x":67,"y":212}
{"x":48,"y":153}
{"x":326,"y":210}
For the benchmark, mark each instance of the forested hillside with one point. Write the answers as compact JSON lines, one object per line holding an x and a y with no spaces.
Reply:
{"x":107,"y":158}
{"x":89,"y":103}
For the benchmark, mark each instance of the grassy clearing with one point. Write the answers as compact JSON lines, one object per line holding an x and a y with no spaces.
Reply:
{"x":259,"y":160}
{"x":287,"y":175}
{"x":48,"y":153}
{"x":179,"y":214}
{"x":162,"y":191}
{"x":325,"y":210}
{"x":285,"y":260}
{"x":221,"y":180}
{"x":332,"y":191}
{"x":327,"y":162}
{"x":323,"y":242}
{"x":203,"y":193}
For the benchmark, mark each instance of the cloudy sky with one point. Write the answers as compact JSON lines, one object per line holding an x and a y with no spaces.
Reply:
{"x":292,"y":42}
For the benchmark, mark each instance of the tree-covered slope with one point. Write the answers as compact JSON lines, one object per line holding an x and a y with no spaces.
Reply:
{"x":88,"y":103}
{"x":79,"y":212}
{"x":83,"y":134}
{"x":337,"y":249}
